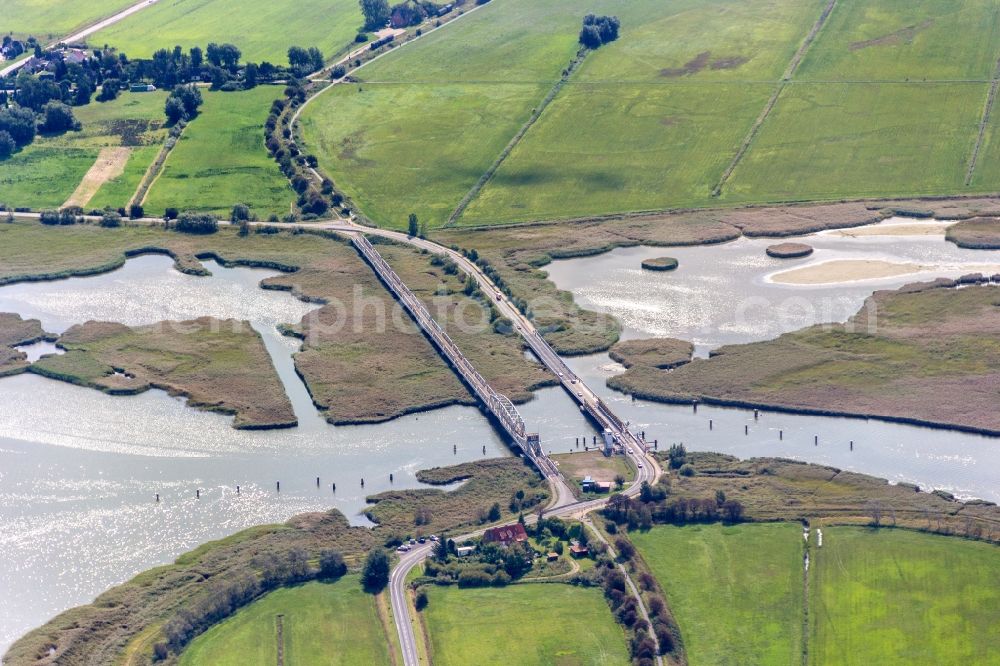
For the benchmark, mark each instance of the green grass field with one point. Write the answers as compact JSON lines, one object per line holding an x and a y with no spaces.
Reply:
{"x":262,"y":29}
{"x":419,"y":146}
{"x":53,"y":18}
{"x":883,"y":104}
{"x":833,"y":141}
{"x":523,"y":624}
{"x":220,"y":160}
{"x":322,"y":624}
{"x":898,"y":597}
{"x":46,"y":172}
{"x":906,"y":40}
{"x":736,"y":592}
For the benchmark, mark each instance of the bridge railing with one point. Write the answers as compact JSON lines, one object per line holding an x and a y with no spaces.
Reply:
{"x":499,"y":405}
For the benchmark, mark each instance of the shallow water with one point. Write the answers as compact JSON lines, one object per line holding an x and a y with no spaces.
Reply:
{"x":79,"y":469}
{"x":722,"y":294}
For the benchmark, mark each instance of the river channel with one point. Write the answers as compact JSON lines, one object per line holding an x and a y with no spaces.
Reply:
{"x":79,"y":469}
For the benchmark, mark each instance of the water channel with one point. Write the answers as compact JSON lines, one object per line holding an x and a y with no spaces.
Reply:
{"x":79,"y":469}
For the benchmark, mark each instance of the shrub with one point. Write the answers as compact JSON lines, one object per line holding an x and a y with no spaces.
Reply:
{"x":49,"y":217}
{"x":331,"y":564}
{"x":135,"y":211}
{"x":420,"y":602}
{"x":110,"y":219}
{"x":7,"y":145}
{"x":170,"y":214}
{"x":197,"y":223}
{"x":686,"y":470}
{"x":338,"y":72}
{"x":240,"y":213}
{"x":361,"y":38}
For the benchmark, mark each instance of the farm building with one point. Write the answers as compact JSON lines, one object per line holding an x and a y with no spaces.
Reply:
{"x":506,"y":535}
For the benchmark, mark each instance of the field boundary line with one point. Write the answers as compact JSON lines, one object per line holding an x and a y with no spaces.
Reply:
{"x":155,"y":169}
{"x":516,"y":139}
{"x":280,"y":629}
{"x":991,"y":97}
{"x":793,"y":66}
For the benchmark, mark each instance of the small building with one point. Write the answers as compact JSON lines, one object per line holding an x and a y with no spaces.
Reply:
{"x":576,"y":550}
{"x":464,"y":551}
{"x":142,"y":87}
{"x":506,"y":535}
{"x":552,"y":557}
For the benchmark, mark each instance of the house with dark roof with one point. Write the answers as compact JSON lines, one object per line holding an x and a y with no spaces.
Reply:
{"x":506,"y":535}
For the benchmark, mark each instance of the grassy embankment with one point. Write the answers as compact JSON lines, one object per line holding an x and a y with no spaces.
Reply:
{"x":926,"y":354}
{"x":736,"y":592}
{"x":220,"y":160}
{"x":48,"y":19}
{"x":133,"y":613}
{"x":16,"y":331}
{"x":358,"y":365}
{"x":329,"y":623}
{"x":219,"y":365}
{"x":262,"y":29}
{"x":523,"y":624}
{"x":45,"y":173}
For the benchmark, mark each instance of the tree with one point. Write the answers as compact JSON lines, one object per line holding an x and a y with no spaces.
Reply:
{"x":109,"y":90}
{"x":420,"y":601}
{"x":732,"y":511}
{"x":7,"y":145}
{"x":619,"y":481}
{"x":135,"y":211}
{"x":174,"y":110}
{"x":375,"y":575}
{"x":414,"y":226}
{"x":331,"y":564}
{"x":250,"y":75}
{"x":590,"y":36}
{"x":190,"y":97}
{"x":376,"y":13}
{"x":677,"y":455}
{"x":84,"y":91}
{"x":19,"y":124}
{"x":494,"y":513}
{"x":626,"y":551}
{"x":58,"y":118}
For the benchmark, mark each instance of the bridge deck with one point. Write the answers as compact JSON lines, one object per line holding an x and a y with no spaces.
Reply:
{"x":498,"y":405}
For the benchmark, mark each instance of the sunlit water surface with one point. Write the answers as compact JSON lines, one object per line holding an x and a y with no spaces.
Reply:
{"x":79,"y":469}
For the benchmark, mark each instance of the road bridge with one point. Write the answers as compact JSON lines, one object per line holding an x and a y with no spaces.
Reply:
{"x":499,"y":405}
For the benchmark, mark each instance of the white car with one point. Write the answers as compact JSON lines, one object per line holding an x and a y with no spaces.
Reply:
{"x":639,"y":465}
{"x":402,"y":549}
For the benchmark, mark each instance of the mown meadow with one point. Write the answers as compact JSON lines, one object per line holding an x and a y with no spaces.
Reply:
{"x":330,"y":623}
{"x":523,"y":624}
{"x":220,"y":160}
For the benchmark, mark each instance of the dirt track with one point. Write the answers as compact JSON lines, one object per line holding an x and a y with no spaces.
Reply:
{"x":110,"y":164}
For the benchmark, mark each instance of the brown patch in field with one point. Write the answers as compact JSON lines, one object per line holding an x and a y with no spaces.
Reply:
{"x":110,"y":164}
{"x":349,"y":149}
{"x":669,"y":121}
{"x":693,"y":66}
{"x":729,"y":63}
{"x":901,"y":36}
